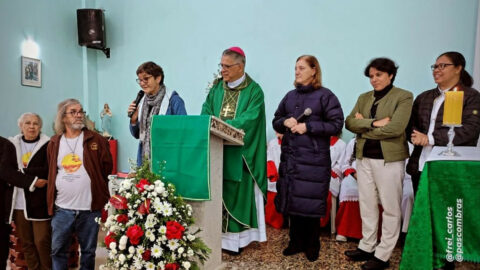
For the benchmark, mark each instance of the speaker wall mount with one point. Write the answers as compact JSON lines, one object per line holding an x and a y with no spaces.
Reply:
{"x":91,"y":29}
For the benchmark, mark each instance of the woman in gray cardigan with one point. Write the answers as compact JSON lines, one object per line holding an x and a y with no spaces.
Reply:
{"x":379,"y":119}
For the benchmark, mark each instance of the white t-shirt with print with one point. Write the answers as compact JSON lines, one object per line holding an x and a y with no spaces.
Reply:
{"x":26,"y":151}
{"x":72,"y":183}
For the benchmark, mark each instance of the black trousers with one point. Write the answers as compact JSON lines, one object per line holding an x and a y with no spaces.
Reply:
{"x":5,"y":230}
{"x":415,"y":181}
{"x":305,"y":232}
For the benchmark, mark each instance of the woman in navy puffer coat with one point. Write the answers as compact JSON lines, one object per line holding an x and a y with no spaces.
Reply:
{"x":305,"y":159}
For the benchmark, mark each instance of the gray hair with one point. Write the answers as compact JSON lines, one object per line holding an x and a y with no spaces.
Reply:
{"x":236,"y":56}
{"x":21,"y":119}
{"x":62,"y":109}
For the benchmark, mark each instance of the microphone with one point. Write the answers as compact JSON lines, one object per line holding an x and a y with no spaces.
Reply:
{"x":304,"y":115}
{"x":137,"y":101}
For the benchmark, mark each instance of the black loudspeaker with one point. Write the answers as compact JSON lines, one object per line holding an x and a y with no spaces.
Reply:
{"x":91,"y":29}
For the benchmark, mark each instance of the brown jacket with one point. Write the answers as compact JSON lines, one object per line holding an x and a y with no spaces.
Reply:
{"x":98,"y":164}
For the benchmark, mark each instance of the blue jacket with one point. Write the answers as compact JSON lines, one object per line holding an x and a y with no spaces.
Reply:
{"x":305,"y":160}
{"x":175,"y":107}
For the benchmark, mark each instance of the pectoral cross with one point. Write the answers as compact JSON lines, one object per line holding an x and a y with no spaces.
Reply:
{"x":226,"y":110}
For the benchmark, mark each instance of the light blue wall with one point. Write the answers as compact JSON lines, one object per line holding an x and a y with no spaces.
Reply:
{"x":52,"y":25}
{"x":186,"y":38}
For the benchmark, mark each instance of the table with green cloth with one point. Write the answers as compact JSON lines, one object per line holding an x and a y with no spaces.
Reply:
{"x":445,"y":223}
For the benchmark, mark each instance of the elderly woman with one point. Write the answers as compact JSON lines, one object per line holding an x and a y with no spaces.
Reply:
{"x":305,"y":159}
{"x":425,"y":128}
{"x":28,"y":206}
{"x":379,"y":119}
{"x":157,"y":100}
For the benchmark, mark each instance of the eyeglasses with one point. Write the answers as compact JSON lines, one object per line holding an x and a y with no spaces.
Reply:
{"x":75,"y":113}
{"x":144,"y":80}
{"x":223,"y":66}
{"x":441,"y":66}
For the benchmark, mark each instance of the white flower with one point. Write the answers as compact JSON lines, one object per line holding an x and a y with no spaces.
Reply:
{"x":122,"y":258}
{"x":156,"y":251}
{"x":126,"y":184}
{"x":159,"y":189}
{"x":165,"y":194}
{"x":173,"y":244}
{"x":113,"y":246}
{"x":186,"y":265}
{"x":113,"y":228}
{"x":149,"y":265}
{"x":150,"y":223}
{"x":123,"y":241}
{"x":162,"y":229}
{"x":190,"y":237}
{"x":190,"y":252}
{"x":138,"y":263}
{"x":128,"y":195}
{"x":167,"y":212}
{"x":180,"y":250}
{"x":150,"y":235}
{"x":131,"y":250}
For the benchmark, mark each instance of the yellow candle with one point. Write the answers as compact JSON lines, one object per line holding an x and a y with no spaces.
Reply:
{"x":452,"y":111}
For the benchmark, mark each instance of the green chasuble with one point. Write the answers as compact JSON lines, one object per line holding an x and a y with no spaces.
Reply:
{"x":243,"y":108}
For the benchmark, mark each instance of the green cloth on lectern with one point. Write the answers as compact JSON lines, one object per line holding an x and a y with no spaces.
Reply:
{"x":183,"y":142}
{"x":446,"y":208}
{"x":249,"y":115}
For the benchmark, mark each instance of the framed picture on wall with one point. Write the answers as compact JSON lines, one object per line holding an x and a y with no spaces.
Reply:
{"x":31,"y":72}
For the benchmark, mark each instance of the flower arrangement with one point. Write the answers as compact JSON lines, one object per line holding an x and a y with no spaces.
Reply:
{"x":150,"y":226}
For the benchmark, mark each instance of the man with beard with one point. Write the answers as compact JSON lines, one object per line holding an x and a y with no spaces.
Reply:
{"x":79,"y":163}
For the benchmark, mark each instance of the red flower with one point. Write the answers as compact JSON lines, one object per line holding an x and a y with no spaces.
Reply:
{"x":174,"y":230}
{"x":172,"y":266}
{"x":146,"y":255}
{"x":110,"y":238}
{"x":141,"y":185}
{"x":119,"y":202}
{"x":123,"y":218}
{"x":144,"y":208}
{"x":134,"y":233}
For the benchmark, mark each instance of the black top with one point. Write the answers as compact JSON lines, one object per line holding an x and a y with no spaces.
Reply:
{"x":372,"y":148}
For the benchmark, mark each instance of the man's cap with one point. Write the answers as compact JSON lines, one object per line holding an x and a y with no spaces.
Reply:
{"x":237,"y":50}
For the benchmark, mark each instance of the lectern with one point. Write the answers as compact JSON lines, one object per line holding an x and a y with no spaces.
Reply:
{"x":189,"y":151}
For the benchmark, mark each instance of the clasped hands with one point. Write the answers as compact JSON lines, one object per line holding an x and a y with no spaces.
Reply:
{"x":419,"y":138}
{"x":294,"y":126}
